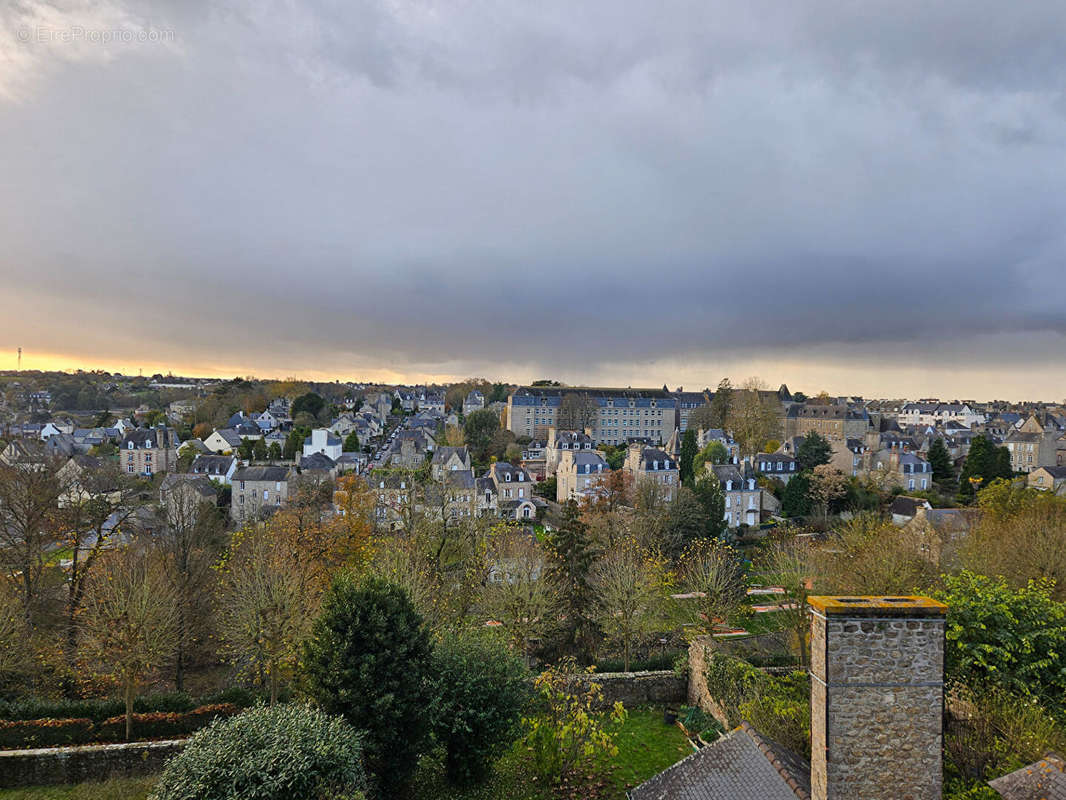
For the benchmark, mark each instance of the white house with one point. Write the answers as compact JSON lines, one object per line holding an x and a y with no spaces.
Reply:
{"x":322,"y":441}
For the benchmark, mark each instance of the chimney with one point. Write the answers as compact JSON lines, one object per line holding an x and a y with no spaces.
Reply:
{"x":877,"y":696}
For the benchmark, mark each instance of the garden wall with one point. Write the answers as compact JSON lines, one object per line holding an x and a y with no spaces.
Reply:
{"x":631,"y":689}
{"x":54,"y":765}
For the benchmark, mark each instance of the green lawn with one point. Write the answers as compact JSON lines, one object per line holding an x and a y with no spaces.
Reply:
{"x":646,"y":746}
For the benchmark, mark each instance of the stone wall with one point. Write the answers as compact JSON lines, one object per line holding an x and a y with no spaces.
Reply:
{"x":699,"y":651}
{"x":54,"y":765}
{"x":876,"y":699}
{"x":631,"y":689}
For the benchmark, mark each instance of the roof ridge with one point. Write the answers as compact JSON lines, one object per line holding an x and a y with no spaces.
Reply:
{"x":775,"y":761}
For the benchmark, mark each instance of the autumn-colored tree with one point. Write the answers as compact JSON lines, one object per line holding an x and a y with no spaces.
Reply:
{"x":754,"y":416}
{"x":129,"y":623}
{"x":868,"y":555}
{"x":630,"y":585}
{"x":827,"y":483}
{"x":267,"y":600}
{"x":95,"y":506}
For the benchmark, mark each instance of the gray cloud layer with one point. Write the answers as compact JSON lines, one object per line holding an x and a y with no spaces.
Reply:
{"x":501,"y":182}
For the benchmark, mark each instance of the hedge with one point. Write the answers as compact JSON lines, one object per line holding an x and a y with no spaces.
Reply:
{"x":99,"y":710}
{"x":153,"y":725}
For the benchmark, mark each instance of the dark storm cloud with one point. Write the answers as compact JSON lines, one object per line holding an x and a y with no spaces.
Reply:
{"x":539,"y":183}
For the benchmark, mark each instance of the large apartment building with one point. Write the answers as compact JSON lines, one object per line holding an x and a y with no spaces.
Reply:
{"x":614,"y":416}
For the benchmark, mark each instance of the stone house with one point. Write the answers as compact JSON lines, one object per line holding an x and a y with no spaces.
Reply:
{"x":449,"y":459}
{"x":147,"y":451}
{"x":578,"y":474}
{"x":1048,"y":479}
{"x":475,"y":401}
{"x":743,"y":497}
{"x":837,"y":422}
{"x":560,"y":442}
{"x":652,"y":464}
{"x":258,"y":492}
{"x":216,"y":468}
{"x":1030,"y":450}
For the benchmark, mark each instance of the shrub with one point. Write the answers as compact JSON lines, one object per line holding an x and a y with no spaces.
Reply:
{"x":96,"y":709}
{"x":478,"y":691}
{"x":44,"y":732}
{"x":282,"y":752}
{"x":368,"y":659}
{"x":567,"y":735}
{"x":162,"y":724}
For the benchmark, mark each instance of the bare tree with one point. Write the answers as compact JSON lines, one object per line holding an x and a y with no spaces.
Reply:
{"x":629,"y":584}
{"x":188,"y":546}
{"x":129,"y":623}
{"x":29,"y":533}
{"x":518,"y":594}
{"x":712,"y":584}
{"x":576,"y":411}
{"x":827,"y":484}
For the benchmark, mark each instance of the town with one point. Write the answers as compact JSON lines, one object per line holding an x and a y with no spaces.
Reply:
{"x":678,"y":543}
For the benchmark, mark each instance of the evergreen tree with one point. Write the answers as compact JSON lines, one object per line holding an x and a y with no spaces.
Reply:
{"x":294,"y":444}
{"x":369,"y":660}
{"x":274,"y":451}
{"x":814,"y":452}
{"x":795,"y":499}
{"x":245,"y":449}
{"x":351,"y":443}
{"x":940,"y":461}
{"x":572,"y":557}
{"x":722,"y":404}
{"x":708,"y":490}
{"x":984,"y":463}
{"x":259,"y":449}
{"x":689,"y":448}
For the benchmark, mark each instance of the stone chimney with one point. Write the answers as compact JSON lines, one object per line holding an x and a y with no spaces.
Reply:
{"x":877,"y":696}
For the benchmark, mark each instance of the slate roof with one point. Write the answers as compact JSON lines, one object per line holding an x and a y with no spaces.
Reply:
{"x":742,"y":765}
{"x":906,"y":506}
{"x":199,"y":483}
{"x":1055,"y":472}
{"x":266,"y":473}
{"x":1043,"y":780}
{"x":317,"y":461}
{"x":442,"y":454}
{"x":211,"y":465}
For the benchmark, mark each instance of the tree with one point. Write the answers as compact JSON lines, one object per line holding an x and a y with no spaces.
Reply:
{"x":684,"y":522}
{"x":714,"y":453}
{"x":274,"y":451}
{"x":129,"y":622}
{"x":722,"y":404}
{"x":266,"y":606}
{"x":569,"y":735}
{"x":259,"y":449}
{"x":814,"y":452}
{"x":351,"y":442}
{"x":712,"y":580}
{"x":786,"y":562}
{"x":28,"y":529}
{"x":477,"y":692}
{"x":688,"y":456}
{"x":708,"y":491}
{"x":868,"y":556}
{"x":795,"y":499}
{"x":246,"y":449}
{"x":519,"y":594}
{"x":576,"y":411}
{"x":309,"y":403}
{"x":827,"y":484}
{"x":628,"y":582}
{"x":369,"y":659}
{"x":984,"y":463}
{"x":294,"y":444}
{"x":187,"y":546}
{"x":754,"y":417}
{"x":572,"y":555}
{"x":1011,"y":638}
{"x":940,"y":461}
{"x":479,"y":428}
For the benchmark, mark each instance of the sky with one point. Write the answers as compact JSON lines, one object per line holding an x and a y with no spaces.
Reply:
{"x":867,"y":197}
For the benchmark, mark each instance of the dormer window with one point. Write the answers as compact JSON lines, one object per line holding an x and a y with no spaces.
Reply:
{"x":729,"y":486}
{"x":507,"y":476}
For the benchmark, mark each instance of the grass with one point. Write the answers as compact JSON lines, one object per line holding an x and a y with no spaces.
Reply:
{"x":118,"y":789}
{"x":646,"y":746}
